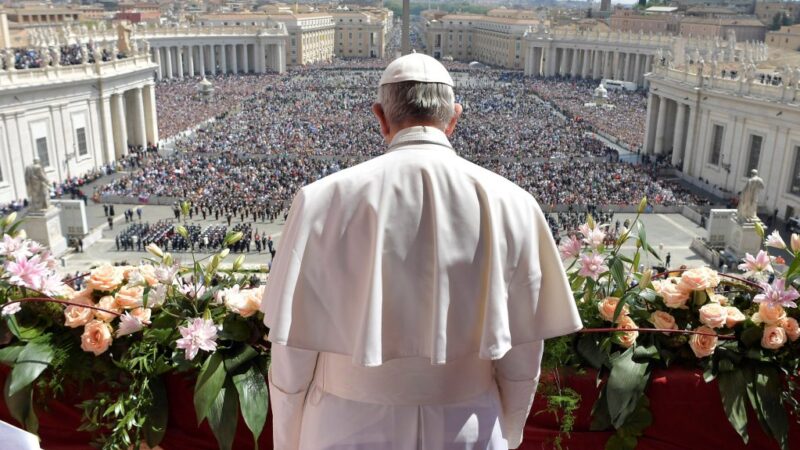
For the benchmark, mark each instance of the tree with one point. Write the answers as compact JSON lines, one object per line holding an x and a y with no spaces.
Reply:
{"x":777,"y":20}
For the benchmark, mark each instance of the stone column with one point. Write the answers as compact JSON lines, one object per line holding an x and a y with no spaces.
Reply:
{"x":688,"y":149}
{"x":213,"y":58}
{"x":677,"y":137}
{"x":120,"y":127}
{"x":201,"y":52}
{"x":575,"y":61}
{"x":661,"y":123}
{"x":168,"y":54}
{"x":138,"y":117}
{"x":108,"y":135}
{"x":627,"y":73}
{"x":245,"y":59}
{"x":223,"y":63}
{"x":281,"y":57}
{"x":179,"y":58}
{"x":157,"y":60}
{"x":191,"y":60}
{"x":150,"y":115}
{"x":235,"y":53}
{"x":637,"y":70}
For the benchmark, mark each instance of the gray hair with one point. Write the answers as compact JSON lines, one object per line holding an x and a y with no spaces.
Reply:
{"x":417,"y":100}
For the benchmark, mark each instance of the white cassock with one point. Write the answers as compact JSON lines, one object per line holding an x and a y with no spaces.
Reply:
{"x":407,"y":305}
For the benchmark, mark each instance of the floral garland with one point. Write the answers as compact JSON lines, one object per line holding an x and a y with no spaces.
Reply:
{"x":127,"y":328}
{"x":741,"y":331}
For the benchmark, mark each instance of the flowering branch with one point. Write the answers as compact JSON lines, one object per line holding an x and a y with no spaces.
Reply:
{"x":63,"y":302}
{"x":655,"y":330}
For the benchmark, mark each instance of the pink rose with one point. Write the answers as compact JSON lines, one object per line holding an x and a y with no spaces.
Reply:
{"x":769,"y":314}
{"x":628,"y":338}
{"x":130,"y":297}
{"x":96,"y":337}
{"x":663,"y":320}
{"x":713,"y":314}
{"x":104,"y":278}
{"x":698,"y":279}
{"x":673,"y":297}
{"x":735,"y":317}
{"x":703,"y":345}
{"x":148,"y":272}
{"x":773,"y":338}
{"x":791,"y":327}
{"x":719,"y":298}
{"x":607,"y":307}
{"x":109,"y":304}
{"x":76,"y":316}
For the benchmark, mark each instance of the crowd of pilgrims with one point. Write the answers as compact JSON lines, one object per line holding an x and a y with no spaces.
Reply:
{"x":626,"y":121}
{"x":31,"y":58}
{"x":299,"y":127}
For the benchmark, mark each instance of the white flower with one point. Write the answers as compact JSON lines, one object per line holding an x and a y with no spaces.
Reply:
{"x":775,"y":240}
{"x":11,"y":309}
{"x":157,"y":296}
{"x":128,"y":325}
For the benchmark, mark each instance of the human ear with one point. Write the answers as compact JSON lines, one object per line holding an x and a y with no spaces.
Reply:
{"x":451,"y":127}
{"x":377,"y":109}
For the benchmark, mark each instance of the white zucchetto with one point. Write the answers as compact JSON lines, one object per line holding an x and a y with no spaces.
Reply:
{"x":416,"y":67}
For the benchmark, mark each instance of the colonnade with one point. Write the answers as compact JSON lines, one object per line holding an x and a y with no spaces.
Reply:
{"x":133,"y":118}
{"x":178,"y":61}
{"x":668,"y":127}
{"x":596,"y":63}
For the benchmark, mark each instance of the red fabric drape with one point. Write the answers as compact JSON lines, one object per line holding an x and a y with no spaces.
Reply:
{"x":687,"y":414}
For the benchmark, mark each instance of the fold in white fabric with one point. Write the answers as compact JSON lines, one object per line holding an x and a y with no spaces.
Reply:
{"x":416,"y":253}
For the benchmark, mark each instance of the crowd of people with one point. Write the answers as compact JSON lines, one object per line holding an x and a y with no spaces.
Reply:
{"x":31,"y":58}
{"x":289,"y":130}
{"x":181,"y":106}
{"x":626,"y":121}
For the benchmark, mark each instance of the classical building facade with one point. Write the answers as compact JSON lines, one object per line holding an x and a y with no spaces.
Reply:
{"x":359,"y":34}
{"x":73,"y":118}
{"x":715,"y":130}
{"x":787,"y":38}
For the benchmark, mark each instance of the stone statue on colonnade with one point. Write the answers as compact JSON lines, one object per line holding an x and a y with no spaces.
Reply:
{"x":124,"y":38}
{"x":38,"y":186}
{"x":748,"y":201}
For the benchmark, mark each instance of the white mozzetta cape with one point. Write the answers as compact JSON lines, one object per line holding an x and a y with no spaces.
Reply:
{"x":416,"y":253}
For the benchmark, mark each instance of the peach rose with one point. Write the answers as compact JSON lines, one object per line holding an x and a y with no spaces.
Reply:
{"x":703,"y":345}
{"x":735,"y":317}
{"x":246,"y":302}
{"x":130,"y":297}
{"x":608,"y":305}
{"x":104,"y":278}
{"x":628,"y":338}
{"x":148,"y":272}
{"x":698,"y":279}
{"x":96,"y":337}
{"x":713,"y":314}
{"x":76,"y":316}
{"x":663,"y":320}
{"x":673,"y":297}
{"x":773,"y":338}
{"x":791,"y":327}
{"x":109,"y":304}
{"x":143,"y":314}
{"x":719,"y":298}
{"x":769,"y":314}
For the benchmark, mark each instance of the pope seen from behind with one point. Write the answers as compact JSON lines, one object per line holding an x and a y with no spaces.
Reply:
{"x":411,"y":294}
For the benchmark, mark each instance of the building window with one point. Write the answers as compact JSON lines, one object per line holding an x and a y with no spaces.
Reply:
{"x":794,"y":187}
{"x":41,"y":152}
{"x":716,"y":144}
{"x":754,"y":154}
{"x":80,"y":138}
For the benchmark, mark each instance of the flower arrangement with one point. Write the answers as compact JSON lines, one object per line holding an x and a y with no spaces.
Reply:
{"x":739,"y":330}
{"x":127,"y":328}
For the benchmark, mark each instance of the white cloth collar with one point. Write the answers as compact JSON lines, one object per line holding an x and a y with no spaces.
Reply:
{"x":419,"y":135}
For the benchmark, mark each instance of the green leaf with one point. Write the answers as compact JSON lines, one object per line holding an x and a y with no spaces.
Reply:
{"x":619,"y":442}
{"x":600,"y":418}
{"x":20,"y":405}
{"x":589,"y":349}
{"x":223,"y":415}
{"x":31,"y":362}
{"x":768,"y":391}
{"x":157,"y":414}
{"x":209,"y":383}
{"x":21,"y":332}
{"x":242,"y":356}
{"x":733,"y":389}
{"x":645,"y":352}
{"x":618,"y":273}
{"x":625,"y":386}
{"x":8,"y":355}
{"x":235,"y":328}
{"x":253,"y":399}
